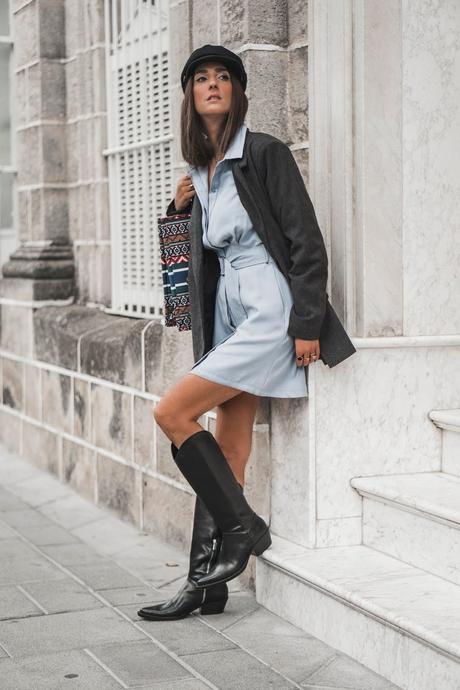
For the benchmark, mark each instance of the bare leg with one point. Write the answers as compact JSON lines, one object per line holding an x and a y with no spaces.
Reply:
{"x":177,"y":411}
{"x":235,"y":421}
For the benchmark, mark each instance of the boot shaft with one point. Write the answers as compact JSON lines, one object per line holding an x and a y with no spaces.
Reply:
{"x":203,"y":464}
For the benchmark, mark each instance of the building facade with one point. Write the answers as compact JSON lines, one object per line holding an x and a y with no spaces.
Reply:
{"x":366,"y":95}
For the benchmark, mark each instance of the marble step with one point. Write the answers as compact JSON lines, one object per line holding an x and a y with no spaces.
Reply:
{"x":398,"y":620}
{"x":449,"y":423}
{"x":414,"y":517}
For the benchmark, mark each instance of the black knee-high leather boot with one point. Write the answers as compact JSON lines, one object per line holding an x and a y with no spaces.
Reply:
{"x":203,"y":464}
{"x":205,"y":544}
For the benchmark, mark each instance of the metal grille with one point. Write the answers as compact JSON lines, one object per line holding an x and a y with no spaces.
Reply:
{"x":139,"y":149}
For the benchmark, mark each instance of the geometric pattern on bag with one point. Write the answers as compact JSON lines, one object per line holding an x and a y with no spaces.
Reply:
{"x":175,"y":257}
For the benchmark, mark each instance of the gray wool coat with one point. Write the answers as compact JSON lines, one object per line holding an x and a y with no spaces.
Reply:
{"x":274,"y":195}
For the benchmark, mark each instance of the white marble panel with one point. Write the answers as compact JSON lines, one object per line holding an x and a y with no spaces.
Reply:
{"x":432,"y":494}
{"x":431,"y":165}
{"x":339,"y":531}
{"x":420,"y":603}
{"x":371,"y":417}
{"x":385,"y":649}
{"x":413,"y":538}
{"x":378,"y":189}
{"x":451,"y":452}
{"x":292,"y":506}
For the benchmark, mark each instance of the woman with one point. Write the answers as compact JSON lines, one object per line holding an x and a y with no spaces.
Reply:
{"x":257,"y":283}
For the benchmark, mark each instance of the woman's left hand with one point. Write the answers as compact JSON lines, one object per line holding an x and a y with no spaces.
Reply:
{"x":309,"y":349}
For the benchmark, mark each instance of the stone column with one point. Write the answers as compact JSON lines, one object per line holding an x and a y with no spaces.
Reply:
{"x":42,"y":268}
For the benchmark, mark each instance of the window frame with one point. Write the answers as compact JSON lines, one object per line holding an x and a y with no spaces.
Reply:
{"x":140,"y":164}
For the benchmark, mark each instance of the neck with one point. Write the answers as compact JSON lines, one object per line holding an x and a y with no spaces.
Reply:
{"x":212,"y":128}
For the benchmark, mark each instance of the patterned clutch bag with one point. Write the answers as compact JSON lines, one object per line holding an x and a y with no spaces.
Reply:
{"x":175,"y":253}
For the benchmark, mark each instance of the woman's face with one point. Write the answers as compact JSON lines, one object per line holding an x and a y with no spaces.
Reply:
{"x":212,"y":90}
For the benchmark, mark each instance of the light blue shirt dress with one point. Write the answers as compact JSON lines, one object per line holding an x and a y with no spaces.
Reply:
{"x":252,"y":350}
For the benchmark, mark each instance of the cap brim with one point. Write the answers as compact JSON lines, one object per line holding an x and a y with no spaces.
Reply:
{"x":227,"y":61}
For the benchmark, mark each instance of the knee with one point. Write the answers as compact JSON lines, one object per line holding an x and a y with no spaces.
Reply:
{"x":163,"y":415}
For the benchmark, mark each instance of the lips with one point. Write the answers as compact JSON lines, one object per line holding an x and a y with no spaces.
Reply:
{"x":212,"y":98}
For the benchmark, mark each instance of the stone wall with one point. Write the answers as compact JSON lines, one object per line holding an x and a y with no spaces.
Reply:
{"x":82,"y":408}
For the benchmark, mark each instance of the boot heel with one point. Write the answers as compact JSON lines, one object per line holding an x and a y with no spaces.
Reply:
{"x":211,"y":607}
{"x":263,"y":543}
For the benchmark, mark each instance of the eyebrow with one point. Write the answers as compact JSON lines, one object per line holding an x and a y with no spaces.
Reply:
{"x":205,"y":69}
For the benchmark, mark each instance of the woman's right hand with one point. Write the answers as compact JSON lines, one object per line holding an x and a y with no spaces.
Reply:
{"x":185,"y":191}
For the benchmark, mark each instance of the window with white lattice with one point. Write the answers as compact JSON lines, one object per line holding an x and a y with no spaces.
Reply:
{"x":139,"y":149}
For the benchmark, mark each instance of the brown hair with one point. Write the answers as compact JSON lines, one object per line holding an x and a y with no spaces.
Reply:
{"x":197,"y":149}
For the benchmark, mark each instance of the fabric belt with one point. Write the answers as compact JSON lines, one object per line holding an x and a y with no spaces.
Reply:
{"x":231,"y":260}
{"x":250,"y":257}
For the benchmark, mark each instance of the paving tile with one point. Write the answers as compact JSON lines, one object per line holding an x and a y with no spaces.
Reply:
{"x":154,"y":550}
{"x":71,"y":512}
{"x":37,"y":491}
{"x":104,"y":575}
{"x":234,"y":669}
{"x":285,"y":647}
{"x":6,"y":532}
{"x":62,"y":595}
{"x":13,"y":549}
{"x":140,"y":663}
{"x":347,"y":674}
{"x":8,"y":501}
{"x":139,"y":596}
{"x":157,"y":576}
{"x":22,"y":570}
{"x":130,"y":610}
{"x":238,"y":606}
{"x":108,"y":534}
{"x":15,"y":604}
{"x":26,"y":519}
{"x":190,"y":684}
{"x":72,"y":554}
{"x":63,"y":631}
{"x":36,"y":528}
{"x":154,"y":563}
{"x":13,"y":469}
{"x":307,"y":686}
{"x":47,"y":534}
{"x":185,"y":636}
{"x":74,"y":669}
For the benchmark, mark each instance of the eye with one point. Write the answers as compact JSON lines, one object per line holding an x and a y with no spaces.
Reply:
{"x":224,"y":74}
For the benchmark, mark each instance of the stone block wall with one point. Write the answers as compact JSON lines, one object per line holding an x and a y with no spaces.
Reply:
{"x":271,"y":38}
{"x":82,"y":408}
{"x":87,"y":175}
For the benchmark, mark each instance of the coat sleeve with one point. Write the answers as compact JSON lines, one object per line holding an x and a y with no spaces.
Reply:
{"x":308,"y":270}
{"x":171,"y":210}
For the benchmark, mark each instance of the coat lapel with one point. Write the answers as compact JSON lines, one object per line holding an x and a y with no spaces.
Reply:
{"x":195,"y":236}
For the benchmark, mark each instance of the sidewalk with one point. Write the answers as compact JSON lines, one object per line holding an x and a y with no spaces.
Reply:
{"x":72,"y":577}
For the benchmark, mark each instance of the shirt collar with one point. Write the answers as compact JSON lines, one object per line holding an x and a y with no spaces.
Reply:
{"x":235,"y":149}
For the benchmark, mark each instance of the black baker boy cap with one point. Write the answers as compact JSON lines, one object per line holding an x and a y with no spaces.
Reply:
{"x":209,"y":52}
